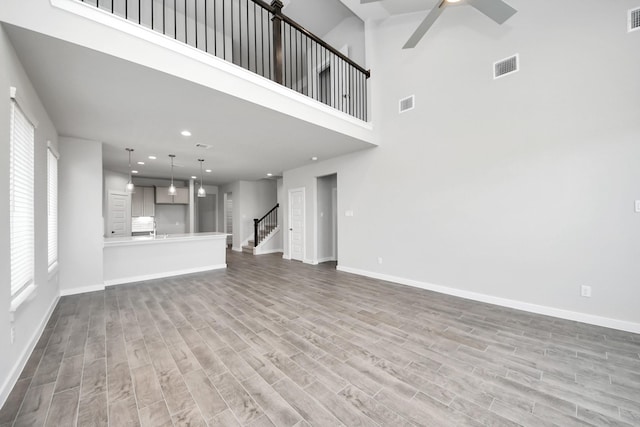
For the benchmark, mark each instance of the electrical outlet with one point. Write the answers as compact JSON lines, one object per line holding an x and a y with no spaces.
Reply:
{"x":638,"y":206}
{"x":585,"y":291}
{"x":379,"y":260}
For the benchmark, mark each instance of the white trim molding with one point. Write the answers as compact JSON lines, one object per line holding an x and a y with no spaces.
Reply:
{"x":591,"y":319}
{"x":81,"y":290}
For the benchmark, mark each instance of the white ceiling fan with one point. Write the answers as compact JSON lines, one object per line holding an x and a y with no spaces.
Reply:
{"x":497,"y":10}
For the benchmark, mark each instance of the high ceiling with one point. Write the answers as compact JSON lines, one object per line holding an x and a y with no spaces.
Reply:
{"x":95,"y":96}
{"x":385,"y":8}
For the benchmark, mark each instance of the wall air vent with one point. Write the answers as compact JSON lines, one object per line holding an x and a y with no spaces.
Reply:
{"x":506,"y":66}
{"x":408,"y":103}
{"x":634,"y":19}
{"x":205,"y":146}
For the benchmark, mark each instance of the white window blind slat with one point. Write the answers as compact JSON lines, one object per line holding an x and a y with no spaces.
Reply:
{"x":21,"y":183}
{"x":52,"y":207}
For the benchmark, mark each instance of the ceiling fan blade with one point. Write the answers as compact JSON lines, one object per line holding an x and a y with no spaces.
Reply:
{"x":425,"y":25}
{"x":497,"y":10}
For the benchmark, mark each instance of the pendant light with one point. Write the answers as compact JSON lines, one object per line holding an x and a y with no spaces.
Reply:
{"x":130,"y":187}
{"x":201,"y":191}
{"x":172,"y":188}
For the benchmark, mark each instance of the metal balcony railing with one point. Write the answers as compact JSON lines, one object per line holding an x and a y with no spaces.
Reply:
{"x":258,"y":37}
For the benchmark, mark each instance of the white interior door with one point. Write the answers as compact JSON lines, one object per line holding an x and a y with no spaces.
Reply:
{"x":119,"y":214}
{"x":296,"y":224}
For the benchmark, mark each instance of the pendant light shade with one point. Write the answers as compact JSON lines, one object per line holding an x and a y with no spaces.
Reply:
{"x":130,"y":187}
{"x":201,"y":190}
{"x":172,"y":188}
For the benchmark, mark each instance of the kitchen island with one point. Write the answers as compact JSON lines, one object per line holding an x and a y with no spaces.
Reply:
{"x":137,"y":258}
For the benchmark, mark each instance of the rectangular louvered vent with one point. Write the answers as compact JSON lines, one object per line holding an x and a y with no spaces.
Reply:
{"x":505,"y":66}
{"x":634,"y":19}
{"x":407,"y":103}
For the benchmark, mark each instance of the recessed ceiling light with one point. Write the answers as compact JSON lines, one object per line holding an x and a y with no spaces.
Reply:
{"x":185,"y":133}
{"x":134,"y":171}
{"x":208,"y":170}
{"x":269,"y":174}
{"x":152,"y":157}
{"x":314,"y":158}
{"x":141,"y":163}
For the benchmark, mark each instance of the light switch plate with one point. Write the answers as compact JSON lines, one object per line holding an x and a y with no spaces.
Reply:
{"x":638,"y":206}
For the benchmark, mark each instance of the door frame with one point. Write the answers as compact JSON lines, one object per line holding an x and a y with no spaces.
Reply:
{"x":127,"y":212}
{"x":304,"y":221}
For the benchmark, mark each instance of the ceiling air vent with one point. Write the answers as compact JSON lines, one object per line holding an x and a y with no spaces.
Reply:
{"x":407,"y":103}
{"x":505,"y":66}
{"x":634,"y":19}
{"x":205,"y":146}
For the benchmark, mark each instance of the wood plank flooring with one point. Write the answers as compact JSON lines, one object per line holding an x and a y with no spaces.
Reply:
{"x":270,"y":342}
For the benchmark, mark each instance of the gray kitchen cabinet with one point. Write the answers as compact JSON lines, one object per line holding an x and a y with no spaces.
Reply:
{"x":143,"y":202}
{"x":181,"y":197}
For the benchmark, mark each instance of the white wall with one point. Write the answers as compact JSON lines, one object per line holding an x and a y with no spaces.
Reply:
{"x":256,"y":199}
{"x":324,"y":218}
{"x":31,"y":317}
{"x":251,"y":199}
{"x":81,"y":222}
{"x":349,"y":32}
{"x":516,"y":191}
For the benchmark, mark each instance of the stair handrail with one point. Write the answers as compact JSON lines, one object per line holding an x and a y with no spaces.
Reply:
{"x":260,"y":225}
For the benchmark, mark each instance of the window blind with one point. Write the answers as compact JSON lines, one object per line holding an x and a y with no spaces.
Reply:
{"x":21,"y":187}
{"x":52,"y":206}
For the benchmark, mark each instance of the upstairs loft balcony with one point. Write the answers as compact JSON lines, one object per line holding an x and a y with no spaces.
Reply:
{"x":257,"y":37}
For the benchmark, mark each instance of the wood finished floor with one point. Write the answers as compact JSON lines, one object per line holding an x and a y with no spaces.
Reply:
{"x":271,"y":342}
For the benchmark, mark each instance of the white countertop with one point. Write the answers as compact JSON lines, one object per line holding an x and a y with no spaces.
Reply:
{"x":161,"y":238}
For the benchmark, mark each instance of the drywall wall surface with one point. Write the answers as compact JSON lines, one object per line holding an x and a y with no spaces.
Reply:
{"x":520,"y":189}
{"x":350,"y":33}
{"x":256,"y":199}
{"x":81,"y":223}
{"x":29,"y":319}
{"x":324,"y":217}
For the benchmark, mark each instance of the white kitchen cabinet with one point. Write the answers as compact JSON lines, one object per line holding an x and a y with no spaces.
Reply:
{"x":143,"y":202}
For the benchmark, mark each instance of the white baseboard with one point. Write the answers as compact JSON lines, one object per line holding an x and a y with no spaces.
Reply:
{"x":236,"y":249}
{"x":142,"y":278}
{"x":310,"y":261}
{"x":11,"y":381}
{"x":81,"y":290}
{"x":591,"y":319}
{"x":326,"y":259}
{"x":267,"y":251}
{"x":286,"y":256}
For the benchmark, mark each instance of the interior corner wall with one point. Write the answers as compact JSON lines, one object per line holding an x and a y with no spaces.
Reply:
{"x":517,"y":190}
{"x":30,"y":318}
{"x":81,"y":222}
{"x":256,"y":199}
{"x":324,"y":217}
{"x":349,"y":32}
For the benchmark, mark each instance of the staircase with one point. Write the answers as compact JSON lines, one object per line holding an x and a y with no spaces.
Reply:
{"x":263,"y":229}
{"x":251,"y":244}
